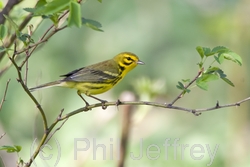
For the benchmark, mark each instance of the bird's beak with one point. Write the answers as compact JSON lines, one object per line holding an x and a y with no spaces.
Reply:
{"x":140,"y":62}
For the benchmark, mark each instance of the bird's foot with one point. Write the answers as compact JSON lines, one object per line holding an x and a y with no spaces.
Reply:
{"x":103,"y":104}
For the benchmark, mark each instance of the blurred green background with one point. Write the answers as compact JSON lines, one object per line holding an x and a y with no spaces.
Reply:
{"x":164,"y":34}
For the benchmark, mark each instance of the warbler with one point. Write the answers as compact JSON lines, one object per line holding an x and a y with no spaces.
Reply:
{"x":97,"y":78}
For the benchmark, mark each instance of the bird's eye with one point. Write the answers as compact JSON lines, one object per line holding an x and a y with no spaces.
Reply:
{"x":128,"y":58}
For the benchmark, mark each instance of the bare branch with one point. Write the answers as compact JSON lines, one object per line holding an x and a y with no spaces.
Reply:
{"x":4,"y":95}
{"x":117,"y":103}
{"x":57,"y":129}
{"x":20,"y":80}
{"x":47,"y":131}
{"x":10,"y":4}
{"x":26,"y":69}
{"x":154,"y":104}
{"x":45,"y":123}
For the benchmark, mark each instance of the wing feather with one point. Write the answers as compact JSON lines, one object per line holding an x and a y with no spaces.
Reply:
{"x":106,"y":71}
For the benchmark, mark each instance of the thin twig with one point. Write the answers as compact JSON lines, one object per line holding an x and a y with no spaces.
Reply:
{"x":45,"y":123}
{"x":11,"y":40}
{"x":57,"y":129}
{"x":34,"y":46}
{"x":42,"y":40}
{"x":187,"y":86}
{"x":47,"y":130}
{"x":20,"y":80}
{"x":26,"y":69}
{"x":2,"y":135}
{"x":4,"y":95}
{"x":30,"y":32}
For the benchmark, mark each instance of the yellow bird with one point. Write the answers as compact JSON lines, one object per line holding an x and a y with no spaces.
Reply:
{"x":97,"y":78}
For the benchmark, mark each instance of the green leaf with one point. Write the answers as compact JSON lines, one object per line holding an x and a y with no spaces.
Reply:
{"x":8,"y":149}
{"x":39,"y":6}
{"x":181,"y":85}
{"x":207,"y":51}
{"x":31,"y":10}
{"x":18,"y":148}
{"x":92,"y":24}
{"x":221,"y":58}
{"x":217,"y":58}
{"x":232,"y":56}
{"x":187,"y":90}
{"x":100,"y":1}
{"x":41,"y":3}
{"x":219,"y":49}
{"x":202,"y":85}
{"x":211,"y":70}
{"x":53,"y":18}
{"x":223,"y":77}
{"x":221,"y":74}
{"x":3,"y":31}
{"x":75,"y":15}
{"x":11,"y":149}
{"x":24,"y":38}
{"x":202,"y":81}
{"x":186,"y":80}
{"x":53,"y":7}
{"x":178,"y":86}
{"x":46,"y":10}
{"x":200,"y":51}
{"x":228,"y":81}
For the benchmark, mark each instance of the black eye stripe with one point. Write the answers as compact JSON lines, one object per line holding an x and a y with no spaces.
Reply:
{"x":129,"y":58}
{"x":127,"y":61}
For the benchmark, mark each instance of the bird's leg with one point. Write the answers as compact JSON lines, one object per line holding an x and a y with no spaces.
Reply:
{"x":79,"y":94}
{"x":102,"y":101}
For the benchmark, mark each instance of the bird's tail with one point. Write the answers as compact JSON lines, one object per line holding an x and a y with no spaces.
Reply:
{"x":47,"y":85}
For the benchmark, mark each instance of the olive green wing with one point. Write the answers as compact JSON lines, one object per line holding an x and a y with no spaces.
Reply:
{"x":106,"y":71}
